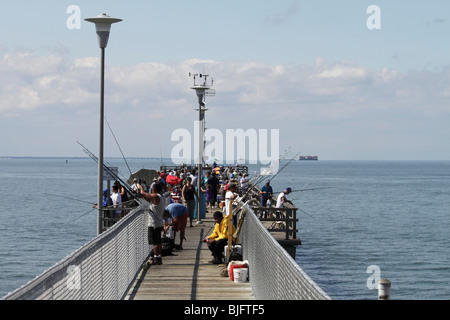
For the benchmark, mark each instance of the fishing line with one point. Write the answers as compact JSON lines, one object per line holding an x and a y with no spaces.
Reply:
{"x":83,"y":214}
{"x":133,"y":193}
{"x":59,"y":195}
{"x":313,"y":189}
{"x":119,"y":147}
{"x":258,"y":178}
{"x":262,"y":176}
{"x":309,"y":189}
{"x":299,"y":190}
{"x":289,"y":162}
{"x":305,"y":213}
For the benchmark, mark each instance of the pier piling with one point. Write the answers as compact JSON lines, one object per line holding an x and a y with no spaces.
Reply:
{"x":384,"y":289}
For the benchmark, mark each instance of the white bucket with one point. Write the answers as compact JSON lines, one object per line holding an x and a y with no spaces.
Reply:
{"x":240,"y":275}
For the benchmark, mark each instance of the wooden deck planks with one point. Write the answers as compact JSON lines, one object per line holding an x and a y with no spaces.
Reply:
{"x":188,"y":274}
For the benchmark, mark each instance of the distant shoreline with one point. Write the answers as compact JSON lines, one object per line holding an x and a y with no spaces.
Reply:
{"x":33,"y":157}
{"x":169,"y":159}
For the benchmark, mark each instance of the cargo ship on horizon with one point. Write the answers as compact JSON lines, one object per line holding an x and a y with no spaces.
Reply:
{"x":308,"y":158}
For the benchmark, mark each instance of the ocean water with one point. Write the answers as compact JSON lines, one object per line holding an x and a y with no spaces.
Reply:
{"x":390,"y":216}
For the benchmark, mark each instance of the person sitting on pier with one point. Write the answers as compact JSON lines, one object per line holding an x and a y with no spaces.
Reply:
{"x":218,"y":239}
{"x":180,"y":215}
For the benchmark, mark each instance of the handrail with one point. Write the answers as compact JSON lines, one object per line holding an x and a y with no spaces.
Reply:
{"x":273,"y":273}
{"x":101,"y":269}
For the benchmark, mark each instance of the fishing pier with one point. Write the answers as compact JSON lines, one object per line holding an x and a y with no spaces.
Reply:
{"x":109,"y":267}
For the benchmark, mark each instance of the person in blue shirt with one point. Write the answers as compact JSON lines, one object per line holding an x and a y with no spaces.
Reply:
{"x":180,"y":215}
{"x":266,"y":192}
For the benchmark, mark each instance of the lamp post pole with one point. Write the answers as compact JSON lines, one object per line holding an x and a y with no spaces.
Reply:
{"x":100,"y":145}
{"x":201,"y":117}
{"x":201,"y":91}
{"x":103,"y":27}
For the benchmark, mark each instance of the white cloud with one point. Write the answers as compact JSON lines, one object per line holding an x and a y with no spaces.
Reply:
{"x":332,"y":100}
{"x":29,"y":65}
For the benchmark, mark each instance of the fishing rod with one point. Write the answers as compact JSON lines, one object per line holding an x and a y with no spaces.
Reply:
{"x":291,"y":201}
{"x":300,"y":190}
{"x":262,"y":171}
{"x":206,"y":233}
{"x":95,"y":208}
{"x":59,"y":195}
{"x":120,"y":149}
{"x":83,"y":215}
{"x":258,"y":178}
{"x":261,"y":175}
{"x":305,"y":213}
{"x":289,"y":162}
{"x":133,"y":193}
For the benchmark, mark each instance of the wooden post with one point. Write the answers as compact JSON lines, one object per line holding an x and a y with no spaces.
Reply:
{"x":294,"y":223}
{"x":288,"y":223}
{"x":230,"y":230}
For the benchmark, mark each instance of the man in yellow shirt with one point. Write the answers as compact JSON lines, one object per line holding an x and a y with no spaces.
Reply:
{"x":219,"y":237}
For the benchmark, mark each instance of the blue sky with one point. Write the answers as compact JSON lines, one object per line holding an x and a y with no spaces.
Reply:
{"x":311,"y":69}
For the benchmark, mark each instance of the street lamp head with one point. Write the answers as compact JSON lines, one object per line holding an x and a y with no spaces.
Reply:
{"x":103,"y":24}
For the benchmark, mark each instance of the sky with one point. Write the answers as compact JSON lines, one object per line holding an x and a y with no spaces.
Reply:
{"x":335,"y":79}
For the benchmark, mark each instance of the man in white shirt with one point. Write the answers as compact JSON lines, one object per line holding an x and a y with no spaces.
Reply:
{"x":135,"y":186}
{"x":244,"y":183}
{"x":280,"y":201}
{"x":230,"y":196}
{"x":116,"y":200}
{"x":155,"y":221}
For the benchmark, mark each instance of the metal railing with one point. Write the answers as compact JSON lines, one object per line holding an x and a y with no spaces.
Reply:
{"x":102,"y":269}
{"x":273,"y":273}
{"x":281,"y":220}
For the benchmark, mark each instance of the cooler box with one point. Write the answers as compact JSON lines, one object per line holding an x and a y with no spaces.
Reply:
{"x":237,"y":247}
{"x":175,"y":198}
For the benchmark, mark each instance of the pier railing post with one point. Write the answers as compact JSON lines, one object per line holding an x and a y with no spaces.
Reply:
{"x":384,"y":289}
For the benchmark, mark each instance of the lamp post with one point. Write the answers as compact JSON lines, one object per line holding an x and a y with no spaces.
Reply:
{"x":201,"y":91}
{"x":103,"y":26}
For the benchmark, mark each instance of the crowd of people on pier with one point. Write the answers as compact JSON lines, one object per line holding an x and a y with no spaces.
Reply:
{"x":172,"y":196}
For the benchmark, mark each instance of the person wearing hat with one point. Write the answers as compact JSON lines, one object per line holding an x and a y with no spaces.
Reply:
{"x":281,"y":199}
{"x":135,"y":186}
{"x":230,"y":196}
{"x":266,"y":192}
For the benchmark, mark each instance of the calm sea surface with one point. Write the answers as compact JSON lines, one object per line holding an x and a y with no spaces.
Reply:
{"x":391,"y":216}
